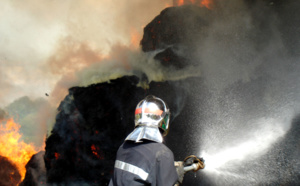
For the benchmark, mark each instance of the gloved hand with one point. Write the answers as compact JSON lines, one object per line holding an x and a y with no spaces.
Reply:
{"x":180,"y":171}
{"x":188,"y":161}
{"x":192,"y":159}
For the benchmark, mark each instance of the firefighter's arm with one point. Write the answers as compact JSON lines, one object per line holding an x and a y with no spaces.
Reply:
{"x":166,"y":174}
{"x":180,"y":171}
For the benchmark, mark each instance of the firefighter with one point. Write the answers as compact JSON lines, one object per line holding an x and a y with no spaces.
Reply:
{"x":143,"y":159}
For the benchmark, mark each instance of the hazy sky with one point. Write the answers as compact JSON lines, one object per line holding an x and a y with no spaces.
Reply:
{"x":44,"y":42}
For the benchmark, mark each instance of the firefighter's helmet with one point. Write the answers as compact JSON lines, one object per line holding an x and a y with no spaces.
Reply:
{"x":153,"y":112}
{"x":152,"y":117}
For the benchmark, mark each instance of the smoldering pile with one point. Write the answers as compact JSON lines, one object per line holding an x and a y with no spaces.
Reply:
{"x":9,"y":174}
{"x":93,"y":121}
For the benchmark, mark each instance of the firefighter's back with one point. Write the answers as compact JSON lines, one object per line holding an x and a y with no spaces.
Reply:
{"x":145,"y":163}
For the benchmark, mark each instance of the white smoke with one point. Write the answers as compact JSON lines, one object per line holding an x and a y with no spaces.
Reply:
{"x":33,"y":32}
{"x":45,"y":43}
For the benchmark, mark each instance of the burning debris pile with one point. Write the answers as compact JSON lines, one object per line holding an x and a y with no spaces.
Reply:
{"x":35,"y":171}
{"x":9,"y":174}
{"x":93,"y":121}
{"x":15,"y":150}
{"x":91,"y":124}
{"x":173,"y":29}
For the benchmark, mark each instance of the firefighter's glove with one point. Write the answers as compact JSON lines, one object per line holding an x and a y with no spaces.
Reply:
{"x":192,"y":159}
{"x":180,"y":170}
{"x":188,"y":161}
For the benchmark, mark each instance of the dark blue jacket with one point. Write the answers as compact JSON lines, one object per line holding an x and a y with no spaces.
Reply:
{"x":146,"y":163}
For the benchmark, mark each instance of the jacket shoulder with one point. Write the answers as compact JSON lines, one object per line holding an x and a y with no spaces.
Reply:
{"x":163,"y":152}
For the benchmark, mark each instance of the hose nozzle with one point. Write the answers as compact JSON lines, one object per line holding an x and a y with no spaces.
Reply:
{"x":194,"y":163}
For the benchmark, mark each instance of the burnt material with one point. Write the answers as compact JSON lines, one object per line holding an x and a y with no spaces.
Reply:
{"x":172,"y":29}
{"x":92,"y":122}
{"x":9,"y":174}
{"x":90,"y":126}
{"x":35,"y":171}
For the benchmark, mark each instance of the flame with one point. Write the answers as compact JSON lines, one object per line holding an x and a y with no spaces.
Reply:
{"x":16,"y":150}
{"x":167,"y":5}
{"x":135,"y":38}
{"x":201,"y":3}
{"x":180,"y":2}
{"x":57,"y":155}
{"x":95,"y":151}
{"x":206,"y":3}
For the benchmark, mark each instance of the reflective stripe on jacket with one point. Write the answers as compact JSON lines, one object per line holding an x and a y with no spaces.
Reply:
{"x":146,"y":163}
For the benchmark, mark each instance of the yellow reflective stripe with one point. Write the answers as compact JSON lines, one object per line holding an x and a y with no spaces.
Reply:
{"x":132,"y":169}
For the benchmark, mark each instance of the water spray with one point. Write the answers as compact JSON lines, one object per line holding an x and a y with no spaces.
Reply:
{"x":228,"y":161}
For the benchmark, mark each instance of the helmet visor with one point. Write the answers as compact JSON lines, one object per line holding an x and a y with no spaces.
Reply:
{"x":148,"y":113}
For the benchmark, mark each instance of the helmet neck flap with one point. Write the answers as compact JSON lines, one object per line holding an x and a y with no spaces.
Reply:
{"x":145,"y":132}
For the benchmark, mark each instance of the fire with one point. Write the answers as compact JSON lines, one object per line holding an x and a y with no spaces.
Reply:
{"x":180,"y":2}
{"x":206,"y":3}
{"x":57,"y":155}
{"x":16,"y":150}
{"x":135,"y":38}
{"x":202,"y":3}
{"x":96,"y":152}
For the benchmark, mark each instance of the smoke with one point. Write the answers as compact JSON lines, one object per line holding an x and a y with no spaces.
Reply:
{"x":34,"y":116}
{"x":248,"y":61}
{"x":235,"y":47}
{"x":46,"y":44}
{"x":241,"y":51}
{"x":3,"y":114}
{"x":238,"y":47}
{"x":129,"y":61}
{"x":245,"y":56}
{"x":25,"y":43}
{"x":47,"y":37}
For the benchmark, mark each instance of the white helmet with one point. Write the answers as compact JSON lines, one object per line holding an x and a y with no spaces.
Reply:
{"x":151,"y":114}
